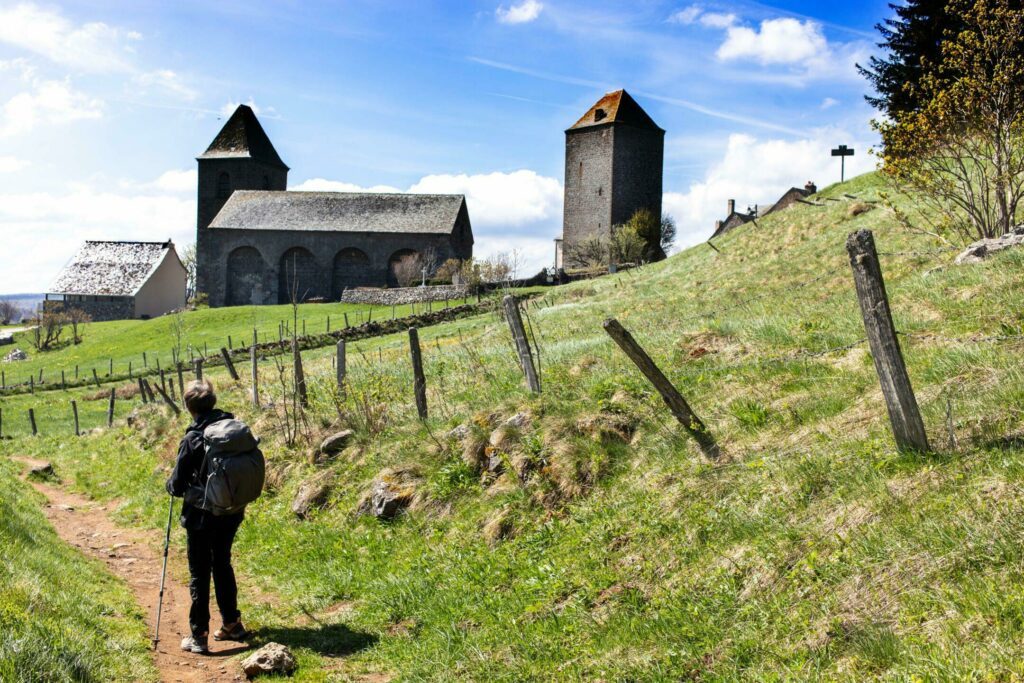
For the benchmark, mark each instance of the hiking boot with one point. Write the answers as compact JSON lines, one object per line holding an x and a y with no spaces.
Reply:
{"x":195,"y":644}
{"x":233,"y":631}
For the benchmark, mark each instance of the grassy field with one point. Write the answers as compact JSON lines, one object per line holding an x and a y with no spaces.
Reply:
{"x":205,"y":331}
{"x":62,"y":618}
{"x":601,"y":544}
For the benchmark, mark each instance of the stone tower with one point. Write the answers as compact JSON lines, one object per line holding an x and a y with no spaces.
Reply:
{"x":613,"y":166}
{"x":241,"y":157}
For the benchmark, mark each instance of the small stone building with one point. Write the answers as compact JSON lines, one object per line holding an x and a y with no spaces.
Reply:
{"x":258,"y":243}
{"x":734,"y":218}
{"x":121,"y":280}
{"x":613,"y":166}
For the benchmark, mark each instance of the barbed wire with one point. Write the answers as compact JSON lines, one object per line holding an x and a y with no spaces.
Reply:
{"x":985,"y":339}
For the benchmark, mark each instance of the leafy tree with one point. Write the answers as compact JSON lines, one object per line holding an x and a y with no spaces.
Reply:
{"x":962,"y":152}
{"x":668,"y":233}
{"x":913,"y":43}
{"x":649,"y":228}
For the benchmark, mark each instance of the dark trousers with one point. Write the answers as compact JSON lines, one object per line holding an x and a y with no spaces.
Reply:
{"x":209,"y":552}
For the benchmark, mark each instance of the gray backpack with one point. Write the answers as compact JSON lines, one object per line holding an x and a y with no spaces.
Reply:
{"x":235,"y":468}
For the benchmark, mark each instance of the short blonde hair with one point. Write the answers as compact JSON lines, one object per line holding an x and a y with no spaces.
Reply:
{"x":200,"y":397}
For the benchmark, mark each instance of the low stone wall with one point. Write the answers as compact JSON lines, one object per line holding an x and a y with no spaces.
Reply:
{"x":99,"y":311}
{"x":398,"y":296}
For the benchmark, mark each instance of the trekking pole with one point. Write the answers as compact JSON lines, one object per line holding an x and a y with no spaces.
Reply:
{"x":163,"y":574}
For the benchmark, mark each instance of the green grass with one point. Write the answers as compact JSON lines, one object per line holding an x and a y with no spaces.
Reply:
{"x":812,"y":550}
{"x":62,"y":617}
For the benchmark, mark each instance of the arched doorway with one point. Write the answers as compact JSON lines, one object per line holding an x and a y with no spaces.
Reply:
{"x":297,"y":276}
{"x":246,"y":270}
{"x":404,"y":268}
{"x":351,"y":269}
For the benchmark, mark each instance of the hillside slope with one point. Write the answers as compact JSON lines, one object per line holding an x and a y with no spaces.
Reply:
{"x":603,"y":545}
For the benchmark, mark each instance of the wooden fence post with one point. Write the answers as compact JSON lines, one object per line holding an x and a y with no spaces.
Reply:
{"x":32,"y":421}
{"x":346,"y":318}
{"x":96,"y":378}
{"x":110,"y":368}
{"x":163,"y":381}
{"x":31,"y":384}
{"x":673,"y":399}
{"x":515,"y":323}
{"x":168,"y":400}
{"x":110,"y":408}
{"x":419,"y":381}
{"x":149,"y":390}
{"x":228,"y":364}
{"x":145,"y":360}
{"x":181,"y":380}
{"x":904,"y":414}
{"x":300,"y":376}
{"x":142,"y":391}
{"x":199,"y":368}
{"x":255,"y":376}
{"x":1,"y":423}
{"x":63,"y":382}
{"x":74,"y":412}
{"x":341,"y":364}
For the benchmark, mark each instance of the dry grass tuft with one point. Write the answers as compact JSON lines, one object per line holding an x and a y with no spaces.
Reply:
{"x":857,"y":208}
{"x":498,"y":527}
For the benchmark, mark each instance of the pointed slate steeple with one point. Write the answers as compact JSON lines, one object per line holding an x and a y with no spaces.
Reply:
{"x":243,"y":137}
{"x":616,"y":107}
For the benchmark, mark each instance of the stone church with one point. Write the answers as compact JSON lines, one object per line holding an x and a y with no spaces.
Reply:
{"x":257,"y":243}
{"x":613,"y":167}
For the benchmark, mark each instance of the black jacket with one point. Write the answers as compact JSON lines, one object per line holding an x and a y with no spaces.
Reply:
{"x":190,"y":469}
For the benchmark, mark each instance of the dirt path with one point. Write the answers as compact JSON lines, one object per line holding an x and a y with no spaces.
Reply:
{"x":133,"y":556}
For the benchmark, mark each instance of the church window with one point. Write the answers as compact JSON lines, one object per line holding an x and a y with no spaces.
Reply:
{"x":223,"y":186}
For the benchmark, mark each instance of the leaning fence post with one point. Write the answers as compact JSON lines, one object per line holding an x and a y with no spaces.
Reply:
{"x":515,"y":323}
{"x":673,"y":399}
{"x":228,"y":364}
{"x":904,"y":414}
{"x":341,"y":364}
{"x":168,"y":400}
{"x":32,"y":421}
{"x":419,"y":381}
{"x":110,"y":408}
{"x":300,"y":376}
{"x":142,"y":391}
{"x":149,"y":390}
{"x":74,"y":411}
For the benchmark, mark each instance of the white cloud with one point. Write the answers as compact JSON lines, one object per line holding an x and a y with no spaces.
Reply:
{"x":177,"y":181}
{"x":779,"y":41}
{"x":166,"y":80}
{"x":228,"y":108}
{"x":92,"y":46}
{"x":718,"y":20}
{"x":9,"y":164}
{"x":47,"y":102}
{"x":324,"y":185}
{"x":523,"y":13}
{"x":756,"y":171}
{"x":828,"y":103}
{"x":686,"y":16}
{"x":62,"y":220}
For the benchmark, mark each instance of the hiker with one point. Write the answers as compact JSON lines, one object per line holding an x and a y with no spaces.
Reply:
{"x":209,"y":535}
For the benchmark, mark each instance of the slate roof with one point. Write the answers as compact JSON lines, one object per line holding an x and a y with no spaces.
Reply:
{"x":340,"y":212}
{"x":110,"y":268}
{"x":616,"y":107}
{"x":243,"y":137}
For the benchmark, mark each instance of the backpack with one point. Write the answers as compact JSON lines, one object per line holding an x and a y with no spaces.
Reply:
{"x":235,"y":468}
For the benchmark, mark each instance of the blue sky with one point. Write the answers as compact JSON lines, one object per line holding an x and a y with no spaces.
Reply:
{"x":104,"y":106}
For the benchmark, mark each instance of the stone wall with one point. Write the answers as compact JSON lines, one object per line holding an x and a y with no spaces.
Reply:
{"x":117,"y":309}
{"x":397,"y":296}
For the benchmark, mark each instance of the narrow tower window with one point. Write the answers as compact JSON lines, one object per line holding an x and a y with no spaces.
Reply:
{"x":223,"y":186}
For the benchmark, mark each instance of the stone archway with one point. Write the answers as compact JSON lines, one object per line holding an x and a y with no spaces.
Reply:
{"x":351,"y":269}
{"x":403,"y":268}
{"x":245,"y":273}
{"x":297,"y":274}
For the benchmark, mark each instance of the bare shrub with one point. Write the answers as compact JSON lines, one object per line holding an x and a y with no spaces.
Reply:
{"x":9,"y":311}
{"x":78,"y":319}
{"x":49,"y":326}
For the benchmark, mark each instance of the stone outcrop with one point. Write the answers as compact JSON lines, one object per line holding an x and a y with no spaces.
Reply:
{"x":980,"y":250}
{"x":15,"y":355}
{"x":312,"y":495}
{"x":272,"y":658}
{"x":392,"y":491}
{"x":335,"y":443}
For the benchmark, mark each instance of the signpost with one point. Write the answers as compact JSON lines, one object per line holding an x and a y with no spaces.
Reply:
{"x":842,"y":151}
